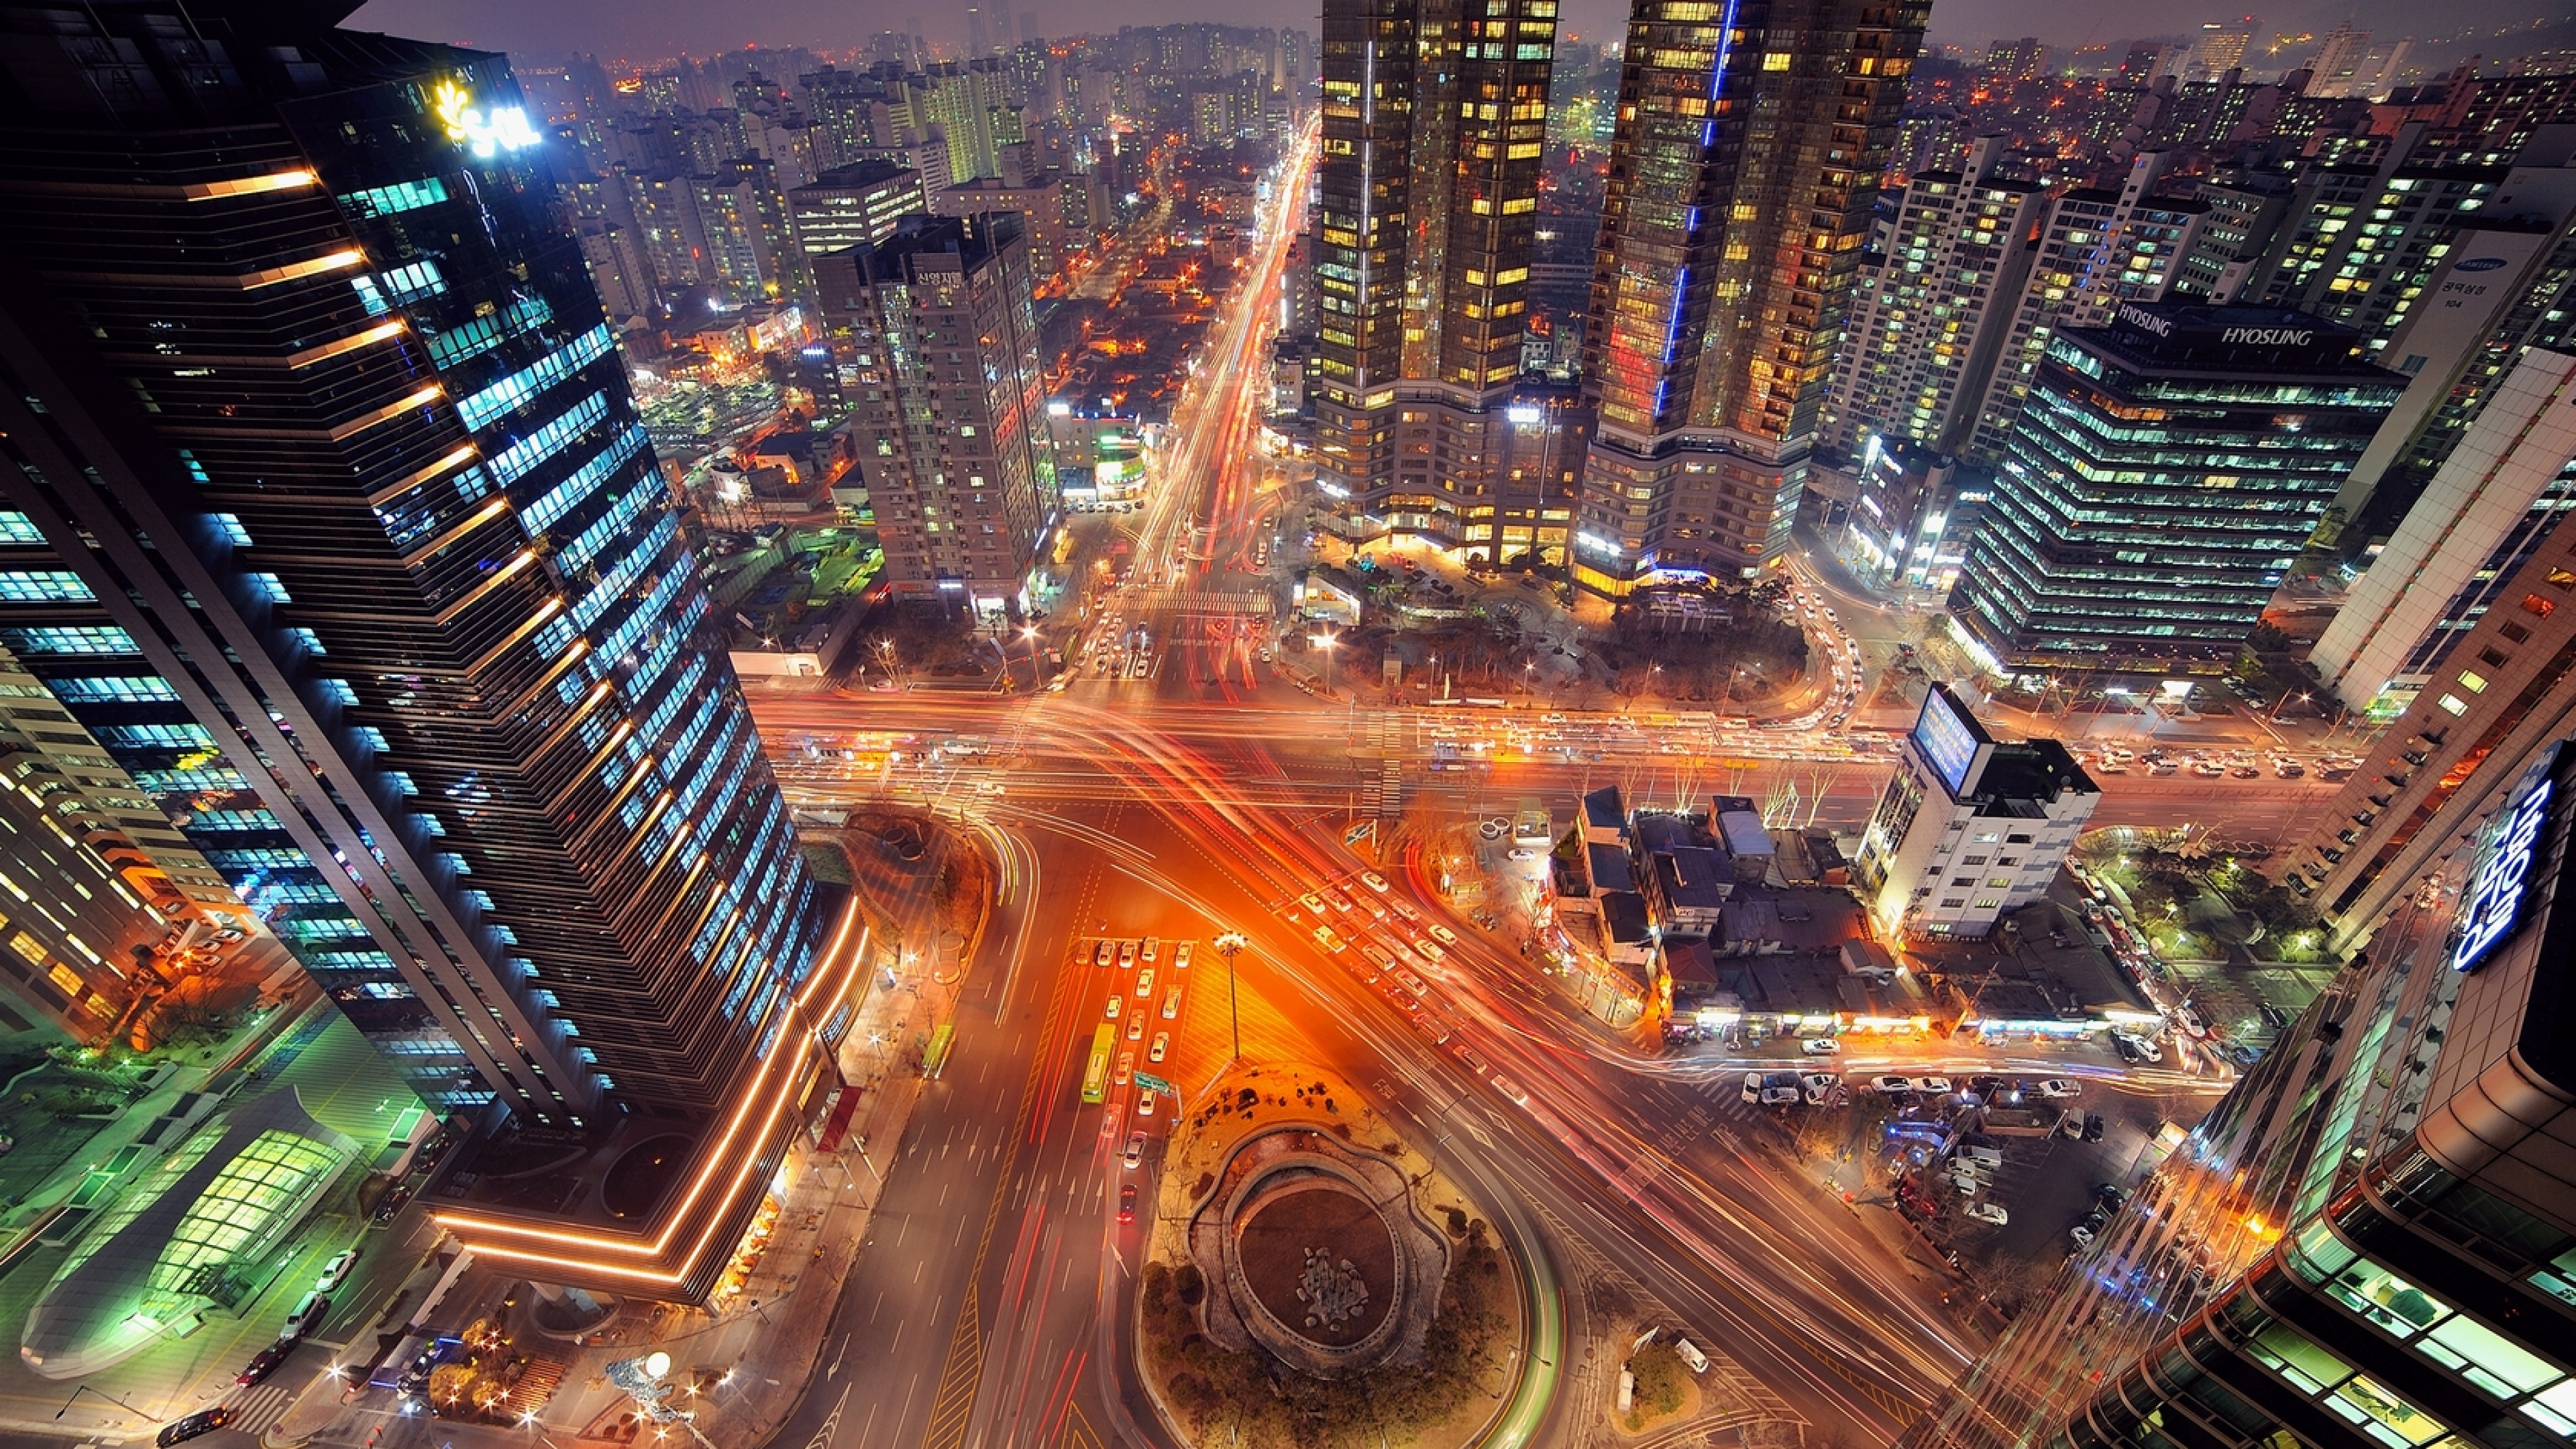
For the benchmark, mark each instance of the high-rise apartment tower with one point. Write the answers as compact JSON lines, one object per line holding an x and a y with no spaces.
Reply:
{"x":1435,"y":117}
{"x":1748,"y":152}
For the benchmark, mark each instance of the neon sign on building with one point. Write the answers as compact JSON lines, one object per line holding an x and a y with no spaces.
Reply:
{"x":484,"y":133}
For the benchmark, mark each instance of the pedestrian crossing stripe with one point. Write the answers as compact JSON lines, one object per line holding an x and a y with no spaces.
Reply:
{"x":262,"y":1407}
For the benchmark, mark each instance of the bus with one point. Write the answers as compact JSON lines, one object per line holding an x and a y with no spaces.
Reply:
{"x":1095,"y":1077}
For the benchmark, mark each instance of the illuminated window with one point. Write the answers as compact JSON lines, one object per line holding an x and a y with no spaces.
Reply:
{"x":2538,"y":607}
{"x":2473,"y":682}
{"x":2453,"y":703}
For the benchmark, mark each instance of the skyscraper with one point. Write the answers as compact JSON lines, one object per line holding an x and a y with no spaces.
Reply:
{"x":2371,"y":1241}
{"x":936,"y":338}
{"x":342,"y":536}
{"x":2166,"y":471}
{"x":1435,"y":115}
{"x":2497,"y":499}
{"x":1928,"y":318}
{"x":1747,"y":155}
{"x":2507,"y":686}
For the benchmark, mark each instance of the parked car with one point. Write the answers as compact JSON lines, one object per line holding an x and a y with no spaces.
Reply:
{"x":1989,"y":1212}
{"x":1933,"y":1085}
{"x":2060,"y":1087}
{"x":1891,"y":1085}
{"x":1126,"y":954}
{"x":1144,"y":1104}
{"x":336,"y":1272}
{"x":1153,"y":947}
{"x":1820,"y":1046}
{"x":2110,"y":1195}
{"x":2083,"y":1236}
{"x":1105,"y":952}
{"x":2094,"y":1126}
{"x":309,"y":1312}
{"x":1127,"y":1202}
{"x":1753,"y":1086}
{"x":1135,"y":1148}
{"x":1781,"y":1096}
{"x":204,"y":1421}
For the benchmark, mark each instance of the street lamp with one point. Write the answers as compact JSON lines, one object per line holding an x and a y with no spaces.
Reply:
{"x":98,"y":1394}
{"x":1227,"y":944}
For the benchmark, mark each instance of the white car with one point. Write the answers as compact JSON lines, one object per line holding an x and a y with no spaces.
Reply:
{"x":336,"y":1272}
{"x":2060,"y":1087}
{"x":1135,"y":1148}
{"x":1511,"y":1093}
{"x":1753,"y":1086}
{"x":1429,"y":952}
{"x":1893,"y":1086}
{"x":1181,"y":955}
{"x":1989,"y":1212}
{"x":2083,"y":1236}
{"x":1144,"y":1104}
{"x":1934,"y":1085}
{"x":1114,"y":1004}
{"x":1401,"y":909}
{"x":1373,"y":881}
{"x":1145,"y":982}
{"x":1820,"y":1046}
{"x":1162,"y":1044}
{"x":1443,"y":934}
{"x":1312,"y":902}
{"x":1781,"y":1096}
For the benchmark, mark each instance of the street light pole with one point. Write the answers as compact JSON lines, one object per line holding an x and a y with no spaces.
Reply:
{"x":81,"y":1389}
{"x":1227,"y":944}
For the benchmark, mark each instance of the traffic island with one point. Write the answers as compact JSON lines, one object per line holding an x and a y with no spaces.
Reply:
{"x":1311,"y":1280}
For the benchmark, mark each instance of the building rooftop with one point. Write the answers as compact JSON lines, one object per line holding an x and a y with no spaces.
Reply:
{"x":2034,"y":771}
{"x":1604,"y":810}
{"x":2193,"y":339}
{"x":1609,"y":868}
{"x":1693,"y":875}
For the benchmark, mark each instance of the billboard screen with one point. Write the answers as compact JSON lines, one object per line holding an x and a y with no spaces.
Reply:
{"x":1948,"y":739}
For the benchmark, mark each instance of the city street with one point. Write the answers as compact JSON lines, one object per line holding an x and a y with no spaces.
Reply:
{"x":1191,"y":792}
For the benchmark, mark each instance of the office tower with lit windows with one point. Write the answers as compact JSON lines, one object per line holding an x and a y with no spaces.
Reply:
{"x":935,"y":336}
{"x":2370,"y":1243}
{"x":331,"y":518}
{"x":1747,"y":155}
{"x":2166,"y":471}
{"x":1435,"y":115}
{"x":2098,"y":247}
{"x":1928,"y":318}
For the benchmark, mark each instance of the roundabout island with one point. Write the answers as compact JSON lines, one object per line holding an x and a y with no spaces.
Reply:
{"x":1313,"y":1280}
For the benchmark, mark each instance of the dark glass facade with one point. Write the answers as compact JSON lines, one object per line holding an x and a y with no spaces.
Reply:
{"x":366,"y":572}
{"x":2164,"y":473}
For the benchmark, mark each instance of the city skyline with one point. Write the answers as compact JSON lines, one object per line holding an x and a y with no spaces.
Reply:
{"x":660,"y":31}
{"x":1390,"y":727}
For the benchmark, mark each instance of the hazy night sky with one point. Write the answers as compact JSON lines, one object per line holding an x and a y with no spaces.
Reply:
{"x":645,"y":29}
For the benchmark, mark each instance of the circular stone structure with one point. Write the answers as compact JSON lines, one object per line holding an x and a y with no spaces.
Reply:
{"x":1316,"y":1253}
{"x":1319,"y":1259}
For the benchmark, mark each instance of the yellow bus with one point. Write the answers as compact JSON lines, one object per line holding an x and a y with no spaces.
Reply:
{"x":1095,"y":1077}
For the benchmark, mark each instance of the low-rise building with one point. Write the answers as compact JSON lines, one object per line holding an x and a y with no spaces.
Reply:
{"x":1969,"y":828}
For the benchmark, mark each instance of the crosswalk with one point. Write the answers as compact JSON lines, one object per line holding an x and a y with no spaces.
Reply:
{"x":261,"y":1407}
{"x":1216,"y":601}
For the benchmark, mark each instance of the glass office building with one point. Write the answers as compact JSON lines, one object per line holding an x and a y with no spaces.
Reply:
{"x":2371,"y":1243}
{"x":2165,"y":472}
{"x":330,"y":516}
